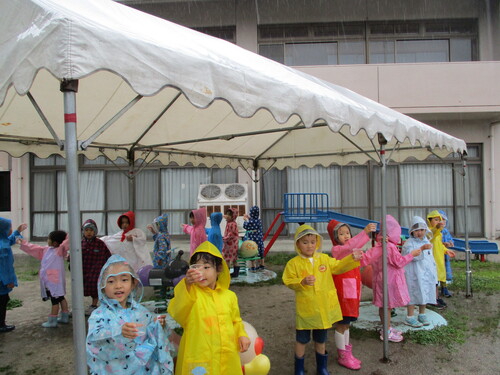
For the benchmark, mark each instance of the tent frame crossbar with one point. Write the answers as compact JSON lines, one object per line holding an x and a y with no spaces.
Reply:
{"x":44,"y":119}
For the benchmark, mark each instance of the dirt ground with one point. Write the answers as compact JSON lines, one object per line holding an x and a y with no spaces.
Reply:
{"x":31,"y":349}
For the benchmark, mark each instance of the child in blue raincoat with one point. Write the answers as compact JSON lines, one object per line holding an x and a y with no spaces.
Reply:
{"x":162,"y":254}
{"x":448,"y":242}
{"x":124,"y":337}
{"x":214,"y":233}
{"x":8,"y":278}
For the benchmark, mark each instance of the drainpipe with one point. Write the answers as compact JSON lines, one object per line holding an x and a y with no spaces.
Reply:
{"x":493,"y":210}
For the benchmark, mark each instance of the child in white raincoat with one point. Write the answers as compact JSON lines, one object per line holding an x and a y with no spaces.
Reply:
{"x":124,"y":337}
{"x":420,"y":273}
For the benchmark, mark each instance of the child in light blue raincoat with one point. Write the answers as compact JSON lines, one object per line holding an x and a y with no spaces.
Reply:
{"x":162,"y":254}
{"x":448,"y":242}
{"x":420,"y":273}
{"x":214,"y":233}
{"x":124,"y":337}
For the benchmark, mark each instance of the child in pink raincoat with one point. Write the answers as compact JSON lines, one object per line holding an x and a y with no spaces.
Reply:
{"x":231,"y":241}
{"x":197,"y":228}
{"x":396,"y":282}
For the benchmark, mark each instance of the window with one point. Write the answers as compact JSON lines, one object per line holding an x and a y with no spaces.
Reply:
{"x":370,"y":42}
{"x":4,"y":191}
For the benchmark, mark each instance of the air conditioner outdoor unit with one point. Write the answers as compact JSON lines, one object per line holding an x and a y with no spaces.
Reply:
{"x":220,"y":197}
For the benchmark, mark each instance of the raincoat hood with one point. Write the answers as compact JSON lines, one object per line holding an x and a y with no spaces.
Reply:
{"x":393,"y":230}
{"x":304,"y":230}
{"x":215,"y":219}
{"x":131,"y":219}
{"x":161,"y":224}
{"x":224,"y":278}
{"x":90,"y":224}
{"x":200,"y":217}
{"x":443,"y":215}
{"x":254,"y":212}
{"x":333,"y":230}
{"x":419,"y":223}
{"x":5,"y":227}
{"x":432,"y":214}
{"x":136,"y":293}
{"x":235,"y":214}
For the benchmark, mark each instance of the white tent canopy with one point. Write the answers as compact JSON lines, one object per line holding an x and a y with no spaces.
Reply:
{"x":150,"y":87}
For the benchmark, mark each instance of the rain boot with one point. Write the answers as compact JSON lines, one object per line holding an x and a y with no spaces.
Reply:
{"x":349,"y":349}
{"x":236,"y":272}
{"x":63,"y":318}
{"x":51,"y":322}
{"x":322,"y":363}
{"x":345,"y":359}
{"x":299,"y":366}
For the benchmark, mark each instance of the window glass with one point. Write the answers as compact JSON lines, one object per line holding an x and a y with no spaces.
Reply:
{"x":351,"y":52}
{"x":461,"y":49}
{"x":298,"y":54}
{"x":411,"y":51}
{"x":273,"y":51}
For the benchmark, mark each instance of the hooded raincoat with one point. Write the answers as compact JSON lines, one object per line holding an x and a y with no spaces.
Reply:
{"x":447,"y":237}
{"x":348,"y":284}
{"x":197,"y":230}
{"x":212,"y":325}
{"x":7,"y":273}
{"x":420,"y":273}
{"x":215,"y":234}
{"x":317,"y":306}
{"x":95,"y":253}
{"x":231,"y":239}
{"x":108,"y":352}
{"x":135,"y":251}
{"x":396,"y":282}
{"x":254,"y":229}
{"x":438,"y":248}
{"x":162,"y":255}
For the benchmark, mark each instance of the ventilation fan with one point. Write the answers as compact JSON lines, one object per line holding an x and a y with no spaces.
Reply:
{"x":210,"y":191}
{"x":235,"y":191}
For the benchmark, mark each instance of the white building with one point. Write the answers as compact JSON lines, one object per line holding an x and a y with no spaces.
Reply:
{"x":437,"y":61}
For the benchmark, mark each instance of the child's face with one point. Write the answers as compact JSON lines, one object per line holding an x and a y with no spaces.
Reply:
{"x":419,"y":233}
{"x":52,"y":243}
{"x":228,"y":215}
{"x":119,"y":287}
{"x":89,"y":233}
{"x":344,"y":234}
{"x":434,"y":221}
{"x":125,"y":223}
{"x":208,"y":274}
{"x":307,"y":245}
{"x":191,"y":219}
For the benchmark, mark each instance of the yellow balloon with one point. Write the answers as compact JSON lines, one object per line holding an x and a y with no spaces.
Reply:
{"x":260,"y":365}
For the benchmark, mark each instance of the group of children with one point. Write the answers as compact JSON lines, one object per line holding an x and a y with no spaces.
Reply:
{"x":124,"y":337}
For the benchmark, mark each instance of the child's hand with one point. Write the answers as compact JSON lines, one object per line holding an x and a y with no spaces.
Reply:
{"x":416,"y":252}
{"x":150,"y":228}
{"x":357,"y":254}
{"x":244,"y":343}
{"x":130,"y":237}
{"x":19,"y":241}
{"x":450,"y":253}
{"x":192,"y":276}
{"x":449,"y":244}
{"x":372,"y":227}
{"x":130,"y":331}
{"x":427,"y":246}
{"x":246,"y":217}
{"x":10,"y":286}
{"x":308,"y":280}
{"x":22,"y":227}
{"x":161,"y":319}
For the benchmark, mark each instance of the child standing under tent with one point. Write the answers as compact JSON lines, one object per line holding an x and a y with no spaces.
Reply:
{"x":52,"y":273}
{"x":253,"y":226}
{"x":420,"y":273}
{"x":162,"y":254}
{"x":123,"y":336}
{"x":231,"y":241}
{"x":448,"y":242}
{"x":436,"y":225}
{"x":129,"y":242}
{"x":8,"y":279}
{"x":196,"y":230}
{"x":348,"y":286}
{"x":209,"y":314}
{"x":309,"y":274}
{"x":214,"y":233}
{"x":95,"y":253}
{"x":396,"y":282}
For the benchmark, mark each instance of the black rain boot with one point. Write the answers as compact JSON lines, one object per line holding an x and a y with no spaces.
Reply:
{"x":236,"y":272}
{"x":322,"y":363}
{"x":299,"y":366}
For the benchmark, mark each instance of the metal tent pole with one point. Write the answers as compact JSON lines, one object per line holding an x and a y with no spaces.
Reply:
{"x":383,"y":208}
{"x":468,"y":272}
{"x":69,"y":88}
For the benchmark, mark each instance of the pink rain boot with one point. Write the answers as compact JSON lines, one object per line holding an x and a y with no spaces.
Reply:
{"x":348,"y":349}
{"x":347,"y":360}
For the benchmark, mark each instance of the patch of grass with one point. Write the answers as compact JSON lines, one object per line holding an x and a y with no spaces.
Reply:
{"x":279,"y":259}
{"x":7,"y":370}
{"x":484,"y":276}
{"x":29,"y":275}
{"x":13,"y":303}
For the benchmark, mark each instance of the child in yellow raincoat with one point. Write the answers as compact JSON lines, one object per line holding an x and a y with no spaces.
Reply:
{"x":309,"y":274}
{"x":436,"y":224}
{"x":209,"y":314}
